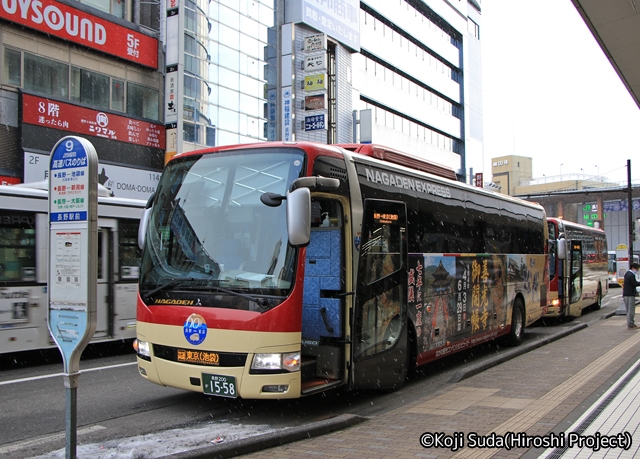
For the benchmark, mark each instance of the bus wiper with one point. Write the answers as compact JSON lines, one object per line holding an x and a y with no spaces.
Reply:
{"x":262,"y":302}
{"x":170,"y":283}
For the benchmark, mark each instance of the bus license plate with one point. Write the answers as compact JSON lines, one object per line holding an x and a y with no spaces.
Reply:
{"x":223,"y":386}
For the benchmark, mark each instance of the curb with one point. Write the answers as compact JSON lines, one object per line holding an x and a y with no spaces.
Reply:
{"x":474,"y":369}
{"x":271,"y":439}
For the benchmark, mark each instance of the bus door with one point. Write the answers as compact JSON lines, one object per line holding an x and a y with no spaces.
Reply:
{"x":380,"y":340}
{"x":107,"y":228}
{"x":323,"y":304}
{"x":575,"y":275}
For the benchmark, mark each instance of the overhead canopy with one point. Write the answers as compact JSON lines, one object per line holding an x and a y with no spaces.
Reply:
{"x":615,"y":24}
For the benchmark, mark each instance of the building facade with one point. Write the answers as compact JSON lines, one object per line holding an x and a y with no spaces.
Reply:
{"x":590,"y":200}
{"x":403,"y":73}
{"x":147,"y":80}
{"x":76,"y":68}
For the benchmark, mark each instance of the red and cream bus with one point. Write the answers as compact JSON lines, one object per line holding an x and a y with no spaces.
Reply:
{"x":578,"y":268}
{"x":279,"y":270}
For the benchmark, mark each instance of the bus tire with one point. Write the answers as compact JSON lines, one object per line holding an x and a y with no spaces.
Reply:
{"x":516,"y":333}
{"x":598,"y":302}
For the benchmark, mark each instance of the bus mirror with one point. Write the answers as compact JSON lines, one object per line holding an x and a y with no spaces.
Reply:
{"x":142,"y":229}
{"x":299,"y":216}
{"x":271,"y":199}
{"x":316,"y":183}
{"x":144,"y":221}
{"x":562,"y":249}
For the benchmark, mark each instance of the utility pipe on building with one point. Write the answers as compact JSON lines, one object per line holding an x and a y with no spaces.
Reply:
{"x":630,"y":211}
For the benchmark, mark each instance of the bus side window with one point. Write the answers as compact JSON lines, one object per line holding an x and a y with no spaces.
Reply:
{"x":17,"y":246}
{"x":130,"y":253}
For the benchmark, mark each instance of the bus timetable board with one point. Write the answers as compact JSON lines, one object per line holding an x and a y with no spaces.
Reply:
{"x":73,"y":203}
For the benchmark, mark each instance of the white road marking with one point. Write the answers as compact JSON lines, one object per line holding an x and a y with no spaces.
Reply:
{"x":46,"y":438}
{"x":54,"y":375}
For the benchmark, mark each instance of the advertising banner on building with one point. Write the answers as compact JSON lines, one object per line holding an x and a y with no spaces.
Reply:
{"x":41,"y":111}
{"x":338,"y":19}
{"x":68,"y":23}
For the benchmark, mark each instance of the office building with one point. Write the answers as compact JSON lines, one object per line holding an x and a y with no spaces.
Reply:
{"x":145,"y":81}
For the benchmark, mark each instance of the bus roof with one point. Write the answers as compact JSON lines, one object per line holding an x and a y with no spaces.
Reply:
{"x":574,"y":224}
{"x":399,"y":157}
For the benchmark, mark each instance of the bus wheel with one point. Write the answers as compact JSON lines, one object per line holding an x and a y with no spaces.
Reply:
{"x":598,"y":302}
{"x":517,"y":323}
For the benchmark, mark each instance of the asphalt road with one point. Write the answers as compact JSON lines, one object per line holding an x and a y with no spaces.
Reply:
{"x":115,"y":402}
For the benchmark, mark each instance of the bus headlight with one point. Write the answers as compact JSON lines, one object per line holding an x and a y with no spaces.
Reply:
{"x":276,"y":362}
{"x":143,"y":349}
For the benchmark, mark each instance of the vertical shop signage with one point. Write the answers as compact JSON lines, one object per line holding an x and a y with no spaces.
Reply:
{"x":287,"y":116}
{"x":315,"y":43}
{"x":173,"y":79}
{"x":315,"y":66}
{"x":314,"y":122}
{"x":315,"y":82}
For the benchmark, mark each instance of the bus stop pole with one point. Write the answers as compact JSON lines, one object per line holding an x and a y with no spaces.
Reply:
{"x":71,"y":383}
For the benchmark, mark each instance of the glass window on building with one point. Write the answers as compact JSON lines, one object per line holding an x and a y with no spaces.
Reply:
{"x":90,"y":88}
{"x":12,"y":67}
{"x":113,"y":7}
{"x":142,"y":101}
{"x":46,"y":76}
{"x":117,"y":95}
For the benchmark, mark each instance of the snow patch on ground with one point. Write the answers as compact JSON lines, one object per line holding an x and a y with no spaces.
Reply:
{"x":163,"y":443}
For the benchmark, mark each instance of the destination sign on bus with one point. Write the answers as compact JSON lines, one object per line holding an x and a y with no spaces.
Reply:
{"x":385,"y":218}
{"x":198,"y":357}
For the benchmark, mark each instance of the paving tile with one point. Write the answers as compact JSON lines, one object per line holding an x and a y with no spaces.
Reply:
{"x":532,"y":394}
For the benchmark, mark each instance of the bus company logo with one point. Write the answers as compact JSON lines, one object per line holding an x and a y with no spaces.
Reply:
{"x":407,"y":183}
{"x":195,"y":329}
{"x":174,"y":302}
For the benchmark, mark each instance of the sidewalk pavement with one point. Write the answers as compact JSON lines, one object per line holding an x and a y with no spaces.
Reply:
{"x":578,"y":397}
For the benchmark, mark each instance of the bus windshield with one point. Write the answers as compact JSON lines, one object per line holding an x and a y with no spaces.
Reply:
{"x":209,"y":231}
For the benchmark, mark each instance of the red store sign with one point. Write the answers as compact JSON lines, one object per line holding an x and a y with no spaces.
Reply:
{"x":71,"y":24}
{"x":66,"y":117}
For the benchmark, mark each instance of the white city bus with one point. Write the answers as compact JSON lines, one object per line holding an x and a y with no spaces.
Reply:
{"x":24,"y":239}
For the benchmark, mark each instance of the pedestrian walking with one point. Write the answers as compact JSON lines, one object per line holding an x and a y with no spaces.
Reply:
{"x":629,"y":294}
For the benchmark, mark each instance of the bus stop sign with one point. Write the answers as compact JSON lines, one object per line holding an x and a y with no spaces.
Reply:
{"x":73,"y":247}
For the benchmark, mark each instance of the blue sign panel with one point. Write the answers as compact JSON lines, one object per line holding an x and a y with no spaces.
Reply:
{"x":314,"y":122}
{"x":69,"y":182}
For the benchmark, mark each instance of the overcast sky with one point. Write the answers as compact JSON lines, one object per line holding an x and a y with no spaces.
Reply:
{"x":550,"y":94}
